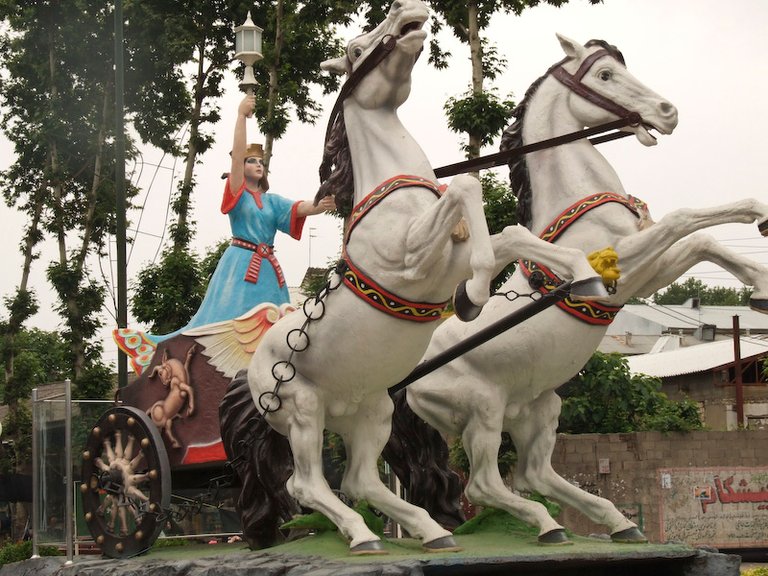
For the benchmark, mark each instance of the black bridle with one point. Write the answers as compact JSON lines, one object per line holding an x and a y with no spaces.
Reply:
{"x":602,"y":132}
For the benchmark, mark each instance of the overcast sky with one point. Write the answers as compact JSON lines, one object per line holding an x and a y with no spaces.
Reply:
{"x":708,"y":57}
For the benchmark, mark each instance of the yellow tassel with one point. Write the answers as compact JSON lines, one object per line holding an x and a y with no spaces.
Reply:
{"x":606,"y":263}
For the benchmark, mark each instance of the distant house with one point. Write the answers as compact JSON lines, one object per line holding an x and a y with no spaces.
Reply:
{"x":692,"y":349}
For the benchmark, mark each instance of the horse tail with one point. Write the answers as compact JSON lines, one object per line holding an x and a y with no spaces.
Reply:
{"x":418,"y":455}
{"x":262,"y":460}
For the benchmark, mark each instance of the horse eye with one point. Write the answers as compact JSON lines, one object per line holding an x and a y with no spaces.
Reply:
{"x":605,"y":75}
{"x":357,"y":52}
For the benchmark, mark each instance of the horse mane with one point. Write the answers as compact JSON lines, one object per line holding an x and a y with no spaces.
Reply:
{"x":519,"y":178}
{"x":336,"y":175}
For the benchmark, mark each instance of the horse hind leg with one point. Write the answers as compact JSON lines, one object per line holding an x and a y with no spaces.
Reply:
{"x":534,"y":439}
{"x":485,"y":486}
{"x":365,"y":435}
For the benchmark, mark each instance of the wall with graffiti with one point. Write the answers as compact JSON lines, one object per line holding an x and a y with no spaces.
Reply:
{"x":715,"y":506}
{"x":703,"y":488}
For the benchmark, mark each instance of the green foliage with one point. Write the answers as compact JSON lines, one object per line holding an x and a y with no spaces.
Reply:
{"x":314,"y":521}
{"x":708,"y":295}
{"x":18,"y":427}
{"x":18,"y":551}
{"x":500,"y":207}
{"x":482,"y":114}
{"x":757,"y":571}
{"x":168,"y":294}
{"x":497,"y":521}
{"x":604,"y":398}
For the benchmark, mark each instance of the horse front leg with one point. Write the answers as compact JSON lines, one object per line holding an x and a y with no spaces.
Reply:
{"x":661,"y":272}
{"x":518,"y":242}
{"x":637,"y":250}
{"x":365,"y":434}
{"x":430,"y":232}
{"x":302,"y":416}
{"x":534,"y":436}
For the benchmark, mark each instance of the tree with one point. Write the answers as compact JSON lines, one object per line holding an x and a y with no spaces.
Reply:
{"x":500,"y":207}
{"x":480,"y":112}
{"x":284,"y":91}
{"x":57,"y":97}
{"x":604,"y":398}
{"x":707,"y":295}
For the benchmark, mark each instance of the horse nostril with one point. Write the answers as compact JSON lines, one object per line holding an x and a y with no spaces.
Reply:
{"x":667,"y":109}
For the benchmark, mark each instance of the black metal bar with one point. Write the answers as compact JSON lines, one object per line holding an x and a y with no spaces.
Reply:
{"x":120,"y":201}
{"x":499,"y":158}
{"x":487,"y":333}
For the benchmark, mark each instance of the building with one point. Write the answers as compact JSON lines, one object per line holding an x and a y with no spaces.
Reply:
{"x":692,"y":350}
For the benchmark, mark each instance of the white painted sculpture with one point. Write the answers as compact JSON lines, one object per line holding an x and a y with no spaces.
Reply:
{"x":329,"y":366}
{"x":508,"y":384}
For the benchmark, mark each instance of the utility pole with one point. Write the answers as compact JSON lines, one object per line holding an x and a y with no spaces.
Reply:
{"x":737,"y":372}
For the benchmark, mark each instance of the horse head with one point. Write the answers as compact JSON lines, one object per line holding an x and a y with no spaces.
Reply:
{"x":402,"y":35}
{"x":601,"y":88}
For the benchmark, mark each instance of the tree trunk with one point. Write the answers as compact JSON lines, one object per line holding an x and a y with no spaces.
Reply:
{"x":183,"y":234}
{"x":476,"y":56}
{"x":273,"y":81}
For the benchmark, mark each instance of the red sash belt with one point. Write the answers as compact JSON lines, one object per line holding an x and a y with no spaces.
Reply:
{"x":260,"y":251}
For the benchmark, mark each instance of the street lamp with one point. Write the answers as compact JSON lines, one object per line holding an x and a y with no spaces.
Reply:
{"x":248,"y":50}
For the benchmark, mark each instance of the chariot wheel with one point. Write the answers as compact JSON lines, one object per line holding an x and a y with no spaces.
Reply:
{"x":126,"y":482}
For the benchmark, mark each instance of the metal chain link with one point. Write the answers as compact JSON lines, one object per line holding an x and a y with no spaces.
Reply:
{"x":298,"y":338}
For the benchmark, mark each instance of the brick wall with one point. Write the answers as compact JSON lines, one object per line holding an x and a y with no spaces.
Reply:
{"x":633,"y":480}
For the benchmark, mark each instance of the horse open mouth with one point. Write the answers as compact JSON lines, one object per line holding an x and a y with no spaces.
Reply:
{"x":411,"y":27}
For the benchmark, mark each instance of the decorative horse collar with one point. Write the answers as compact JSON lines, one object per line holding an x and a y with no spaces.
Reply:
{"x":361,"y":284}
{"x":544,"y":280}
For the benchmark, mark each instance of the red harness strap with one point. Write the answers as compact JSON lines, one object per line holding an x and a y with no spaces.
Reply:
{"x":361,"y":284}
{"x":589,"y":312}
{"x":260,"y":251}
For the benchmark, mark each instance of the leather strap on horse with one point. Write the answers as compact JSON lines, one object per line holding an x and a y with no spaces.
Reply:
{"x":545,"y":281}
{"x":378,"y":54}
{"x":362,"y":285}
{"x":573,"y":82}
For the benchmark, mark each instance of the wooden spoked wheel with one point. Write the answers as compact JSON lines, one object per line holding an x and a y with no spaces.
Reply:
{"x":126,"y":482}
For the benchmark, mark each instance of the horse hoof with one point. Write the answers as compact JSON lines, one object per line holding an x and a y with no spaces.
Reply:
{"x":444,"y":544}
{"x":763,"y":227}
{"x":464,"y":308}
{"x":759,"y":305}
{"x":372,"y":548}
{"x":554,"y":537}
{"x":589,"y":289}
{"x":629,"y":536}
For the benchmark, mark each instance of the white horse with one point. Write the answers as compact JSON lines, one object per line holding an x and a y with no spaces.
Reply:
{"x":508,"y":384}
{"x":330,"y":365}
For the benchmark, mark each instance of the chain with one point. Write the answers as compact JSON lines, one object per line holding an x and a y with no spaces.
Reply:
{"x":298,"y":339}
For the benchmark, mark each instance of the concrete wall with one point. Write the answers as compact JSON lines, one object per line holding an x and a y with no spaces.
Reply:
{"x":701,"y":487}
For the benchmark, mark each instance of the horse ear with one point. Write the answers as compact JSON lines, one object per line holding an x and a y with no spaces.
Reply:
{"x":335,"y":65}
{"x":572,"y":49}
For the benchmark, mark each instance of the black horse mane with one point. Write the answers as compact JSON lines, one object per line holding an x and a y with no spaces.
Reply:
{"x":519,"y":179}
{"x":336,"y":169}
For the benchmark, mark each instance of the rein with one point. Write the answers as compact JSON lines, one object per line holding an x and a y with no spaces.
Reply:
{"x":574,"y":83}
{"x":378,"y":54}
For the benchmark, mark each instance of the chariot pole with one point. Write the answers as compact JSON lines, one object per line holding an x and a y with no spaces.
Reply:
{"x":482,"y":336}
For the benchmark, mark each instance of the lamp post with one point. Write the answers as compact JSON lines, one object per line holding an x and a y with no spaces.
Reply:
{"x":248,"y":51}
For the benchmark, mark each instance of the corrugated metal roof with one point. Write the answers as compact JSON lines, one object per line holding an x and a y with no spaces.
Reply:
{"x":655,"y":318}
{"x":695,"y":358}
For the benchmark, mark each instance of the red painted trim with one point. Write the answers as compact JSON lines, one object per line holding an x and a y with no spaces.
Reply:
{"x":203,"y":454}
{"x":297,"y":222}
